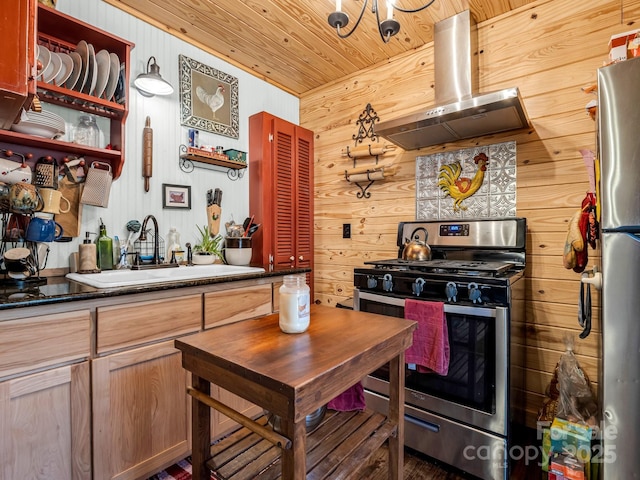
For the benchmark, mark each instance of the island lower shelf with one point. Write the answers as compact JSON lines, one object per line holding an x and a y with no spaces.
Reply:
{"x":337,"y":448}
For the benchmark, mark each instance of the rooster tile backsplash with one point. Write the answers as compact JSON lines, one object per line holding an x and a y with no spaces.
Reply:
{"x":475,"y":182}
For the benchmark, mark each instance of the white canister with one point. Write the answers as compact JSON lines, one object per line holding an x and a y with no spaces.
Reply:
{"x":294,"y":304}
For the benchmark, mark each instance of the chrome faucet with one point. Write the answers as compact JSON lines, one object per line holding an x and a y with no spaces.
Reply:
{"x":155,"y":261}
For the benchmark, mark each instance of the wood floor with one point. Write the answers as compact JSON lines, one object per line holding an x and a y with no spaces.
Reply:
{"x":420,"y":467}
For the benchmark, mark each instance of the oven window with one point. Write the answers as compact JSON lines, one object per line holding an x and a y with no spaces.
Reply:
{"x":472,"y":365}
{"x":381,"y":308}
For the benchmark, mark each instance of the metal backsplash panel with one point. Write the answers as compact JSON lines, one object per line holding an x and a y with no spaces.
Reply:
{"x":494,"y":197}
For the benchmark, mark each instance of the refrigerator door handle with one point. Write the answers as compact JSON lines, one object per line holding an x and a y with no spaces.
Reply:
{"x":594,"y":279}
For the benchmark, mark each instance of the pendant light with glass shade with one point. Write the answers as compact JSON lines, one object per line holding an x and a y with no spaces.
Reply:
{"x":151,"y":83}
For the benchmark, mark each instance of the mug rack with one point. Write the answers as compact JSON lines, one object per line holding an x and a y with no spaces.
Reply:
{"x":13,"y":237}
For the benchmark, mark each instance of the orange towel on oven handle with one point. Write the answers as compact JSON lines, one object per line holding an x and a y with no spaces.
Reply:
{"x":430,"y":348}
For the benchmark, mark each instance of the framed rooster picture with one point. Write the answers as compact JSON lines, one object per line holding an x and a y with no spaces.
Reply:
{"x":208,"y":98}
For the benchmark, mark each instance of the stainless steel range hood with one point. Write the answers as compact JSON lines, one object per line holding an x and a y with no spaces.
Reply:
{"x":460,"y":112}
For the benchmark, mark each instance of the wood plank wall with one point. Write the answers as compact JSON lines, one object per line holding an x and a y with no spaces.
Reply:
{"x":550,"y":50}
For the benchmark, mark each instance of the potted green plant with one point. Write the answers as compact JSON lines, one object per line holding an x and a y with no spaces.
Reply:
{"x":208,"y":249}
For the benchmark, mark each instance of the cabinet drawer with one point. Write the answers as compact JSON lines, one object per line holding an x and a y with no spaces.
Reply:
{"x":36,"y":342}
{"x":137,"y":323}
{"x":237,"y":304}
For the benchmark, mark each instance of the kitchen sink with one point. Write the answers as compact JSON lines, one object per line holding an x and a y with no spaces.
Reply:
{"x":128,"y":278}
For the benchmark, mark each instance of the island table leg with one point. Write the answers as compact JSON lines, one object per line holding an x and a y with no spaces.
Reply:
{"x":396,"y":415}
{"x":200,"y":430}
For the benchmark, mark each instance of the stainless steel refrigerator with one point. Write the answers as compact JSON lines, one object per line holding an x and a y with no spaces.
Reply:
{"x":619,"y":149}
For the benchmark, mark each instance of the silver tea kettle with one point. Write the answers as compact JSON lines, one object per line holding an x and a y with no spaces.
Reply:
{"x":415,"y":249}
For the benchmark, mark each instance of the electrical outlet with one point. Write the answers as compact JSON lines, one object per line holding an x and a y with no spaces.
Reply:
{"x":346,"y":230}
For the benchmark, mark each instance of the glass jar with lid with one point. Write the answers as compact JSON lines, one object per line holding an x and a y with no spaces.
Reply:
{"x":294,"y":304}
{"x":87,"y":131}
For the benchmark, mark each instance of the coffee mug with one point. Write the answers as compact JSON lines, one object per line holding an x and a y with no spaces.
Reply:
{"x":43,"y":230}
{"x":16,"y":228}
{"x":24,"y":198}
{"x":20,"y":263}
{"x":52,"y":198}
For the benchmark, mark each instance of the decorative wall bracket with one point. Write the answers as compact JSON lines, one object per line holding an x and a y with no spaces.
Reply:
{"x":372,"y":172}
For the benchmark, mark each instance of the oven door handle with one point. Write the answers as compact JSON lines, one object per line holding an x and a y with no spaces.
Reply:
{"x":448,"y":308}
{"x":433,"y":427}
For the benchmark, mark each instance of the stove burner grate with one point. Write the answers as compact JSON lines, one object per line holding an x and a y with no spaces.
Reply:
{"x":461,"y":267}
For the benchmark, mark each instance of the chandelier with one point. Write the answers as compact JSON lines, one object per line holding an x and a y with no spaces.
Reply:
{"x":386,"y":28}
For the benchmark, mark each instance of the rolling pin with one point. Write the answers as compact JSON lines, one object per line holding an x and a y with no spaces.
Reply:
{"x":147,"y":153}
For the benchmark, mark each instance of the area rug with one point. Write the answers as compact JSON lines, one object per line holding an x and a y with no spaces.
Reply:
{"x":177,"y":471}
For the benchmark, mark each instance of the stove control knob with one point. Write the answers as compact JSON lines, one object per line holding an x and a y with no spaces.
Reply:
{"x":372,"y":282}
{"x":417,"y":286}
{"x":387,"y":283}
{"x":451,"y":290}
{"x":474,"y":293}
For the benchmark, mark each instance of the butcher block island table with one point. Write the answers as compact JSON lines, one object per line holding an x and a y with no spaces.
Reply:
{"x":292,"y":375}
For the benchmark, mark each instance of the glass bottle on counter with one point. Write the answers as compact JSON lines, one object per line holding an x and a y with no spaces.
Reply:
{"x":294,"y":304}
{"x":105,"y":249}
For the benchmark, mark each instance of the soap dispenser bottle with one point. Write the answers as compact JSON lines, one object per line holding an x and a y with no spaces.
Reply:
{"x":105,"y":249}
{"x":87,"y":256}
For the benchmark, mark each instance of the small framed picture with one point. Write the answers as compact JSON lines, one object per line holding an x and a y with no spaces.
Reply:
{"x":176,"y":196}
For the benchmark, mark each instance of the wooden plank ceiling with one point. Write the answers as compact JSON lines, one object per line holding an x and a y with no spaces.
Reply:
{"x":289,"y":42}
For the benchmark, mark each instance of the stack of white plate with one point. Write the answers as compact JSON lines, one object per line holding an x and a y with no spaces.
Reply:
{"x":41,"y":124}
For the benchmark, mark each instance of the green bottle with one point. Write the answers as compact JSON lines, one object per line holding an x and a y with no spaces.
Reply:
{"x":105,"y":249}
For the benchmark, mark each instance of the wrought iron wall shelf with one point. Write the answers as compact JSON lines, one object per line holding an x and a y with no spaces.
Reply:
{"x":370,"y":172}
{"x":189,"y":160}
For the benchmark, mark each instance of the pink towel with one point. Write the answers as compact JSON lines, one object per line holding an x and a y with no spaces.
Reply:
{"x":349,"y":400}
{"x":430,"y":346}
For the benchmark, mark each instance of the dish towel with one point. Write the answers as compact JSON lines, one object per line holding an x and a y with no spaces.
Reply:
{"x":349,"y":400}
{"x":430,"y":348}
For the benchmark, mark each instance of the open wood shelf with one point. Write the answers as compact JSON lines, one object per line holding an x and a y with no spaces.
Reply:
{"x":220,"y":162}
{"x":337,"y":448}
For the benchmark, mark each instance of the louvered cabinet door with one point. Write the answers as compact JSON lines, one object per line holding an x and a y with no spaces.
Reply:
{"x":281,"y":192}
{"x":284,"y":215}
{"x":304,"y":201}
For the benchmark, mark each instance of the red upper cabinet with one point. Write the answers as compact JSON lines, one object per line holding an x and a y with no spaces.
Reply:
{"x":26,"y":24}
{"x":17,"y":58}
{"x":281,"y":191}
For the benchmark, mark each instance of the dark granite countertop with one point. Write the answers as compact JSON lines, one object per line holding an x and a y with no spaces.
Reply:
{"x":60,"y":289}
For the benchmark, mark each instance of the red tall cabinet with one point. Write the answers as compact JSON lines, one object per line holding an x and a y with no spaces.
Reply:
{"x":281,"y":192}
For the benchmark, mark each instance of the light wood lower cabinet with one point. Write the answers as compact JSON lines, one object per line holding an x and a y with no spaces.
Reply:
{"x":140,"y":412}
{"x":236,"y":304}
{"x":45,"y":425}
{"x":123,"y":412}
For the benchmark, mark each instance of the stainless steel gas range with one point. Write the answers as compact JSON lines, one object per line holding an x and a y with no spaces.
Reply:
{"x":477,"y":270}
